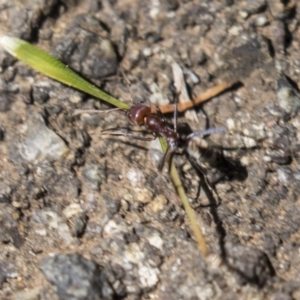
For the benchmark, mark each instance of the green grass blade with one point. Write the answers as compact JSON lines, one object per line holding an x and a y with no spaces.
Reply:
{"x":45,"y":63}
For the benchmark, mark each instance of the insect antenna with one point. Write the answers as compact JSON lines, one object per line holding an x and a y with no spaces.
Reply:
{"x":167,"y":157}
{"x":131,"y":135}
{"x":94,"y":111}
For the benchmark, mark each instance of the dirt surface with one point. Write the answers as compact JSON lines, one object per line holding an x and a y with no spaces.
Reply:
{"x":89,"y":217}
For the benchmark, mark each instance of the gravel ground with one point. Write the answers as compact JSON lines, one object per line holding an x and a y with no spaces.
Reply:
{"x":89,"y":217}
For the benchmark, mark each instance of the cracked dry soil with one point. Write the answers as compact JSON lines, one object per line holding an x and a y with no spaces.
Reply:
{"x":88,"y":217}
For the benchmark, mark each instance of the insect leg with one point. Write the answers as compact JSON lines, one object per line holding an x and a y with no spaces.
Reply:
{"x":138,"y":137}
{"x":160,"y":115}
{"x":167,"y":157}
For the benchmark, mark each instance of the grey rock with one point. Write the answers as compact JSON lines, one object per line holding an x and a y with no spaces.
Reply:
{"x":5,"y":102}
{"x":256,"y":6}
{"x":251,"y":265}
{"x":288,"y":96}
{"x":76,"y":277}
{"x":279,"y":36}
{"x":2,"y":134}
{"x":40,"y":142}
{"x":40,"y":92}
{"x":33,"y":294}
{"x":172,"y":4}
{"x":261,"y":21}
{"x":87,"y":49}
{"x":24,"y":20}
{"x":62,"y":185}
{"x":112,"y":205}
{"x":256,"y":180}
{"x":281,"y":10}
{"x":94,"y":174}
{"x":80,"y":223}
{"x":243,"y":53}
{"x":228,"y":2}
{"x":6,"y":271}
{"x":9,"y":231}
{"x":54,"y":222}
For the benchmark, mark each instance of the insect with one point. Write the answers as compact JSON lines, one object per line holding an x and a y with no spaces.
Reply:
{"x":198,"y":149}
{"x":140,"y":114}
{"x":155,"y":123}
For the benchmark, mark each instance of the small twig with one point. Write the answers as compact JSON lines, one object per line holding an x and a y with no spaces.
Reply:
{"x":189,"y":211}
{"x":185,"y":202}
{"x":210,"y":93}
